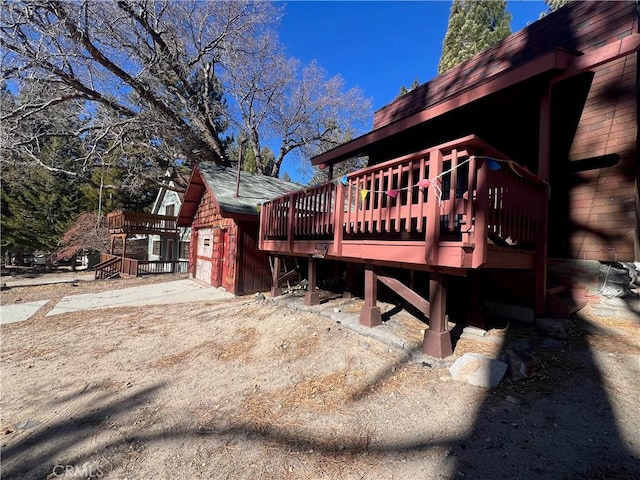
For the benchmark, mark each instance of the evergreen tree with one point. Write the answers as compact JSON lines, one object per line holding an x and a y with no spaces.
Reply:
{"x":37,"y":210}
{"x":553,"y":5}
{"x":404,"y":90}
{"x":474,"y":26}
{"x":37,"y":204}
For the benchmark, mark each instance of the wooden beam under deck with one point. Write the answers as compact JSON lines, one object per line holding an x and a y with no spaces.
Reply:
{"x":405,"y":292}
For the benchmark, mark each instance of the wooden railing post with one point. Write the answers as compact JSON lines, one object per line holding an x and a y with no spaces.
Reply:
{"x":468,"y":221}
{"x":338,"y":220}
{"x":261,"y":226}
{"x":432,"y":237}
{"x":480,"y":225}
{"x":291,"y":221}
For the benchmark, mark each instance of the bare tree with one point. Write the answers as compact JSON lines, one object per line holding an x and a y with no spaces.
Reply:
{"x":88,"y":232}
{"x":147,"y":82}
{"x":297,"y":108}
{"x":143,"y":76}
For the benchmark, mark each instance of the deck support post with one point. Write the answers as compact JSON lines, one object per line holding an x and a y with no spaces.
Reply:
{"x":370,"y":313}
{"x":349,"y":281}
{"x":276,"y":290}
{"x":437,"y":338}
{"x":312,"y":297}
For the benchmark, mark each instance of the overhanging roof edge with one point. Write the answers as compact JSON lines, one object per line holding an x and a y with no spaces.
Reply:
{"x":557,"y":59}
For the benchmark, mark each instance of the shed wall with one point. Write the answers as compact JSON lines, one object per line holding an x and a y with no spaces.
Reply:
{"x":223,"y":274}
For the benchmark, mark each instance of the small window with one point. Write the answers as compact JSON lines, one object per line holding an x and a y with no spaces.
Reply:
{"x":207,"y":242}
{"x":170,"y":210}
{"x":157,"y":247}
{"x":184,"y":250}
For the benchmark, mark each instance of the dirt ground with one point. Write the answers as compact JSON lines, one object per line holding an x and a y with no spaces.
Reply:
{"x":270,"y":389}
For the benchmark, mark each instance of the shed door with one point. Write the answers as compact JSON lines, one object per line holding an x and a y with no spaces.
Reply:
{"x":204,"y":254}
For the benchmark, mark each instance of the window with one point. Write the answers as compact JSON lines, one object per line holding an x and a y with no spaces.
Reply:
{"x":184,"y":250}
{"x":157,"y":247}
{"x":207,"y":242}
{"x":170,"y":210}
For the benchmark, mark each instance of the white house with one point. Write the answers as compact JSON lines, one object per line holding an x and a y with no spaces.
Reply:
{"x":169,"y":248}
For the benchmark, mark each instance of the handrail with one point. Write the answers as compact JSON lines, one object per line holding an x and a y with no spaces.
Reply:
{"x":451,"y":193}
{"x":108,"y":266}
{"x":130,"y":222}
{"x":159,"y":266}
{"x":511,"y":205}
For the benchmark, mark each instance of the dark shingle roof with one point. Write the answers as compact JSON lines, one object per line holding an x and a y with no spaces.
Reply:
{"x":254,"y":189}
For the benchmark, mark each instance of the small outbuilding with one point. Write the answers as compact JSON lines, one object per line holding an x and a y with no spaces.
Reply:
{"x":224,"y":218}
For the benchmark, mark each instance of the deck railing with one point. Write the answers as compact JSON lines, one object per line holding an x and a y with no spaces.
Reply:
{"x":113,"y":265}
{"x":139,"y":222}
{"x":157,"y":267}
{"x":462,"y":193}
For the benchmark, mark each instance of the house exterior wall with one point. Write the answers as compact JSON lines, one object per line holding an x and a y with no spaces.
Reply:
{"x":169,"y":245}
{"x":599,"y":172}
{"x":594,"y":211}
{"x":254,"y":272}
{"x":602,"y":205}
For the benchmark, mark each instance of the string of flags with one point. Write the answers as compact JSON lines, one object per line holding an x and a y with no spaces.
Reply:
{"x":492,"y":163}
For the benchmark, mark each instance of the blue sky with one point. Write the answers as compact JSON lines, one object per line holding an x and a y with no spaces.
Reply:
{"x":376,"y":45}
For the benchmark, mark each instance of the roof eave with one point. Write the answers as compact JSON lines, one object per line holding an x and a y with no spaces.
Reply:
{"x":558,"y":59}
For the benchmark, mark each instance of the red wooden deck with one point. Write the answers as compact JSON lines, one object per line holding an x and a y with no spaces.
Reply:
{"x":131,"y":223}
{"x":459,"y":205}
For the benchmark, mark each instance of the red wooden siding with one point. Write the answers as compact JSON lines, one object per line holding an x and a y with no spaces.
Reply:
{"x":594,"y":211}
{"x":208,"y":215}
{"x":254,"y":273}
{"x":602,"y":204}
{"x":245,"y":269}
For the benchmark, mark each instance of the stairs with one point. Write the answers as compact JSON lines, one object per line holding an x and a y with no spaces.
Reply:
{"x":108,"y":269}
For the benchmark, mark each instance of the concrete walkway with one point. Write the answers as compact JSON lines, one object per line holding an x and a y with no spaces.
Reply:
{"x":35,"y":279}
{"x":19,"y":312}
{"x":179,"y":291}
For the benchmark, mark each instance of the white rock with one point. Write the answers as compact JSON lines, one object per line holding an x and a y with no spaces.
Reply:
{"x":478,"y":370}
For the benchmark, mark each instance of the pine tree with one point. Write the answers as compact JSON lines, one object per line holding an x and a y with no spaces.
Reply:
{"x":37,"y":209}
{"x":553,"y":5}
{"x":404,"y":90}
{"x":474,"y":26}
{"x":37,"y":205}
